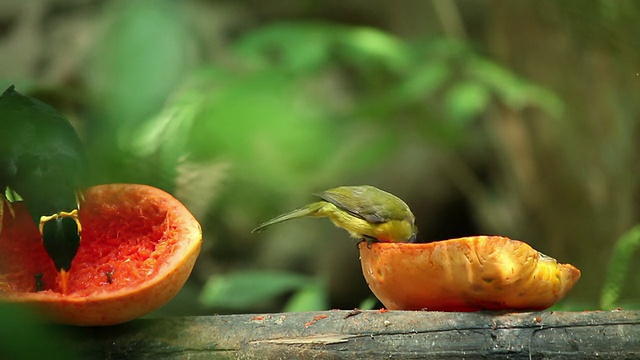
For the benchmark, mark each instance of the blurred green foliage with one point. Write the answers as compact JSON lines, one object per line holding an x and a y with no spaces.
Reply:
{"x":24,"y":336}
{"x":267,"y":116}
{"x":268,"y":112}
{"x":619,"y":268}
{"x":299,"y":105}
{"x":243,"y":290}
{"x":245,"y":126}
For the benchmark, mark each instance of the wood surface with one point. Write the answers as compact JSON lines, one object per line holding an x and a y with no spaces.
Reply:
{"x":342,"y":334}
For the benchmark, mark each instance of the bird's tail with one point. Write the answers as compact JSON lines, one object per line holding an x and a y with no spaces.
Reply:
{"x":314,"y":209}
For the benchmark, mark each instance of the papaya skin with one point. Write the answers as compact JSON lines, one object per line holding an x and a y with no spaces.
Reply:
{"x":465,"y":274}
{"x":123,"y":224}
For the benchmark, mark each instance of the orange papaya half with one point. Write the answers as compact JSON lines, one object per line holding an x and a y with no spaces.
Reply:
{"x":137,"y":249}
{"x":465,"y":274}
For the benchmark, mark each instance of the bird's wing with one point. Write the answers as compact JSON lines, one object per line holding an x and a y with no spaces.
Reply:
{"x":361,"y":201}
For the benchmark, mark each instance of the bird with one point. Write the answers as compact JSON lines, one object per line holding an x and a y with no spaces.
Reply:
{"x":43,"y":160}
{"x":365,"y":212}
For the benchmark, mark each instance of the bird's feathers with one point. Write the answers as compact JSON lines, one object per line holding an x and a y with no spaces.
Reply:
{"x":368,"y":203}
{"x":364,"y":211}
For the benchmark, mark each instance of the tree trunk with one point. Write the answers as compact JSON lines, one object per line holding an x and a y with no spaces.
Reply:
{"x":371,"y":334}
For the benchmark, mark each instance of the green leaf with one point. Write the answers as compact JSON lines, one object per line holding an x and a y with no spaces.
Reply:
{"x":511,"y":89}
{"x":364,"y":45}
{"x":240,"y":290}
{"x":139,"y":60}
{"x":265,"y":115}
{"x":299,"y":47}
{"x":619,"y":266}
{"x":25,"y":336}
{"x":312,"y":297}
{"x":368,"y":303}
{"x":465,"y":101}
{"x":170,"y":129}
{"x":423,"y":81}
{"x":11,"y":195}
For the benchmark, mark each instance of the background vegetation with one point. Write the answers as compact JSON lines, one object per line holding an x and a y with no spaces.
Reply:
{"x":513,"y":118}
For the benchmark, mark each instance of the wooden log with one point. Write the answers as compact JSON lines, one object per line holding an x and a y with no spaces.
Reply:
{"x":340,"y":334}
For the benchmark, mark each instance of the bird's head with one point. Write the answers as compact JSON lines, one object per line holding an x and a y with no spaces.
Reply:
{"x":414,"y":234}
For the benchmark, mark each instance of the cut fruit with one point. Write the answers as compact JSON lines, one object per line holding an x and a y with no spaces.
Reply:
{"x":138,"y":247}
{"x":465,"y":274}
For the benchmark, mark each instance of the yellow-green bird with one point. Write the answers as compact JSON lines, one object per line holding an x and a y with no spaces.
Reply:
{"x":366,"y":212}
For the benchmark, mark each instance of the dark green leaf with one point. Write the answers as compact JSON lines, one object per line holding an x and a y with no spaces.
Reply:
{"x":312,"y":297}
{"x":240,"y":290}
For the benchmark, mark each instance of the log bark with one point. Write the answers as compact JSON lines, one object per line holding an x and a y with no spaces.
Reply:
{"x":340,"y":334}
